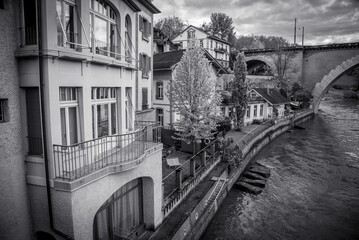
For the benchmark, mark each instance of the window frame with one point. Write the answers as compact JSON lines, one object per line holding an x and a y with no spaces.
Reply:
{"x":3,"y":110}
{"x":145,"y":27}
{"x":160,"y":116}
{"x":111,"y":18}
{"x":66,"y":104}
{"x":66,"y":43}
{"x":145,"y":104}
{"x":248,"y":113}
{"x":107,"y":96}
{"x":159,"y":90}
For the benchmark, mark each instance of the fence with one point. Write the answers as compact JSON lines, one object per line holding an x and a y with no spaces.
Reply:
{"x":178,"y":184}
{"x":77,"y":160}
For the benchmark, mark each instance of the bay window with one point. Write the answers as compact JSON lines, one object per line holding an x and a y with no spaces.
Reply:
{"x":104,"y":112}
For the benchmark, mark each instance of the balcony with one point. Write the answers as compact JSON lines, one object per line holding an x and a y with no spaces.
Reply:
{"x":122,"y":151}
{"x":219,"y":49}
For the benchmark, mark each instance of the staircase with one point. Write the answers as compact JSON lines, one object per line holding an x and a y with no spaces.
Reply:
{"x":211,"y":201}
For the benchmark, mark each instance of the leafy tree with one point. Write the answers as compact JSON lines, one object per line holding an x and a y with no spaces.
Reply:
{"x":258,"y":42}
{"x":193,"y":94}
{"x":239,"y":88}
{"x":171,"y":26}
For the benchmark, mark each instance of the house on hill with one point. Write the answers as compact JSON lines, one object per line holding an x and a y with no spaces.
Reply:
{"x":215,"y":44}
{"x":163,"y":66}
{"x":264,"y":103}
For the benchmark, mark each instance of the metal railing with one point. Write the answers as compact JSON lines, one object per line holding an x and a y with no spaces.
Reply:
{"x":35,"y":145}
{"x":71,"y":39}
{"x":78,"y":160}
{"x":172,"y":194}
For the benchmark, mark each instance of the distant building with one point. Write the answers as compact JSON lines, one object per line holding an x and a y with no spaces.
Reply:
{"x":163,"y":66}
{"x":214,"y":44}
{"x":162,"y":43}
{"x":77,"y":149}
{"x":264,"y":103}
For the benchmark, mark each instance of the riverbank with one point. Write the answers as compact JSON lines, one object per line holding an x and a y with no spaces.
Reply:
{"x":191,"y":217}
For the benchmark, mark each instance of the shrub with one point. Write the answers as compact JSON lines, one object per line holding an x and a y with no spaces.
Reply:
{"x":224,"y":125}
{"x":257,"y":121}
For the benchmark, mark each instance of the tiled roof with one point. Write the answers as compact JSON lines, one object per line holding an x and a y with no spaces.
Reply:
{"x":167,"y":59}
{"x":201,"y":30}
{"x":271,"y":95}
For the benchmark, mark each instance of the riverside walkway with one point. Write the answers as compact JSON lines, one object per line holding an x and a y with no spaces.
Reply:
{"x":176,"y":218}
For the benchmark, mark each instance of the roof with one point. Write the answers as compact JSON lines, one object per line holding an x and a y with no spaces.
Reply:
{"x":167,"y":59}
{"x":150,"y":6}
{"x":208,"y":34}
{"x":271,"y":95}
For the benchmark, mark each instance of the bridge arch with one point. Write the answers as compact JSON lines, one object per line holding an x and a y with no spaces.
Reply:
{"x":328,"y":81}
{"x":252,"y":60}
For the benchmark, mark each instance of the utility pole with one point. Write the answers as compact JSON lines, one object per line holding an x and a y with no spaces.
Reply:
{"x":295,"y":30}
{"x":302,"y":36}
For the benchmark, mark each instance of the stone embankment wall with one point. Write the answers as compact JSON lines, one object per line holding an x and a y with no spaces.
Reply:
{"x":200,"y":217}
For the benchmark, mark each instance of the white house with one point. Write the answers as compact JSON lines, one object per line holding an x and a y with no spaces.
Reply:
{"x":264,"y":103}
{"x":215,"y":44}
{"x":164,"y":64}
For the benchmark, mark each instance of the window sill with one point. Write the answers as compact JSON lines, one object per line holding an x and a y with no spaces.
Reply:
{"x":159,"y":98}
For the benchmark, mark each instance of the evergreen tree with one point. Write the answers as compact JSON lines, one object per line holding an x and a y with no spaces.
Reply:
{"x":192,"y":93}
{"x":239,"y":88}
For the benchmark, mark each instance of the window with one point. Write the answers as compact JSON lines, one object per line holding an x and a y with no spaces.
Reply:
{"x":103,"y":29}
{"x":28,"y":29}
{"x":255,"y":111}
{"x":121,"y":213}
{"x":128,"y":41}
{"x":69,"y":115}
{"x":65,"y":24}
{"x":248,"y":111}
{"x":159,"y":90}
{"x":201,"y":43}
{"x":3,"y":110}
{"x":261,"y":110}
{"x":144,"y":98}
{"x":145,"y":64}
{"x":104,"y":112}
{"x":211,"y":44}
{"x":2,"y":4}
{"x":128,"y":110}
{"x":145,"y":28}
{"x":191,"y":34}
{"x":159,"y":115}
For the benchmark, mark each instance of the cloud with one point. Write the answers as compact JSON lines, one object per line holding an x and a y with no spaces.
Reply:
{"x":324,"y":20}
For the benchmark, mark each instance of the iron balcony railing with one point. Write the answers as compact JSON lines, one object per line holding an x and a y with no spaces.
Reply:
{"x":78,"y":160}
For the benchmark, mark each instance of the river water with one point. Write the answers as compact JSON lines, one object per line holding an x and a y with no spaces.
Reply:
{"x":313,"y":190}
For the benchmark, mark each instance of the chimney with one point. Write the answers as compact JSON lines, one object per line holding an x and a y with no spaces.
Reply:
{"x":268,"y":90}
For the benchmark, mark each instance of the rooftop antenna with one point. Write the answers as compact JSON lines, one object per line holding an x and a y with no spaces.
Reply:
{"x":295,"y":30}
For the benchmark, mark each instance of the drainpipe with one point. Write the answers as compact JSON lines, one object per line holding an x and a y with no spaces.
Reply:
{"x":43,"y":125}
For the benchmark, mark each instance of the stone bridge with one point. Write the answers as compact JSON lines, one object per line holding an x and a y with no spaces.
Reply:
{"x":315,"y":67}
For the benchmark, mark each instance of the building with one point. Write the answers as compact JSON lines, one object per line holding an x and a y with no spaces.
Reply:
{"x":162,"y":43}
{"x":163,"y":67}
{"x":75,"y":101}
{"x":214,"y":44}
{"x":264,"y":103}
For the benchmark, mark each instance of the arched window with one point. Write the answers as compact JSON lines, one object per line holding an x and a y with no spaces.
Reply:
{"x":121,"y":213}
{"x":103,"y":29}
{"x":128,"y":39}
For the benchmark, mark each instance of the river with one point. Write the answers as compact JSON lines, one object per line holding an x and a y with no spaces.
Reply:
{"x":313,"y":190}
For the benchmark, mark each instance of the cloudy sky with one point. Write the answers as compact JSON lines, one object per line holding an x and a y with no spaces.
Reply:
{"x":324,"y":21}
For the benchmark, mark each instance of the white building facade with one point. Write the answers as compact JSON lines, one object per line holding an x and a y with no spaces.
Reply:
{"x":217,"y":46}
{"x":85,"y":78}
